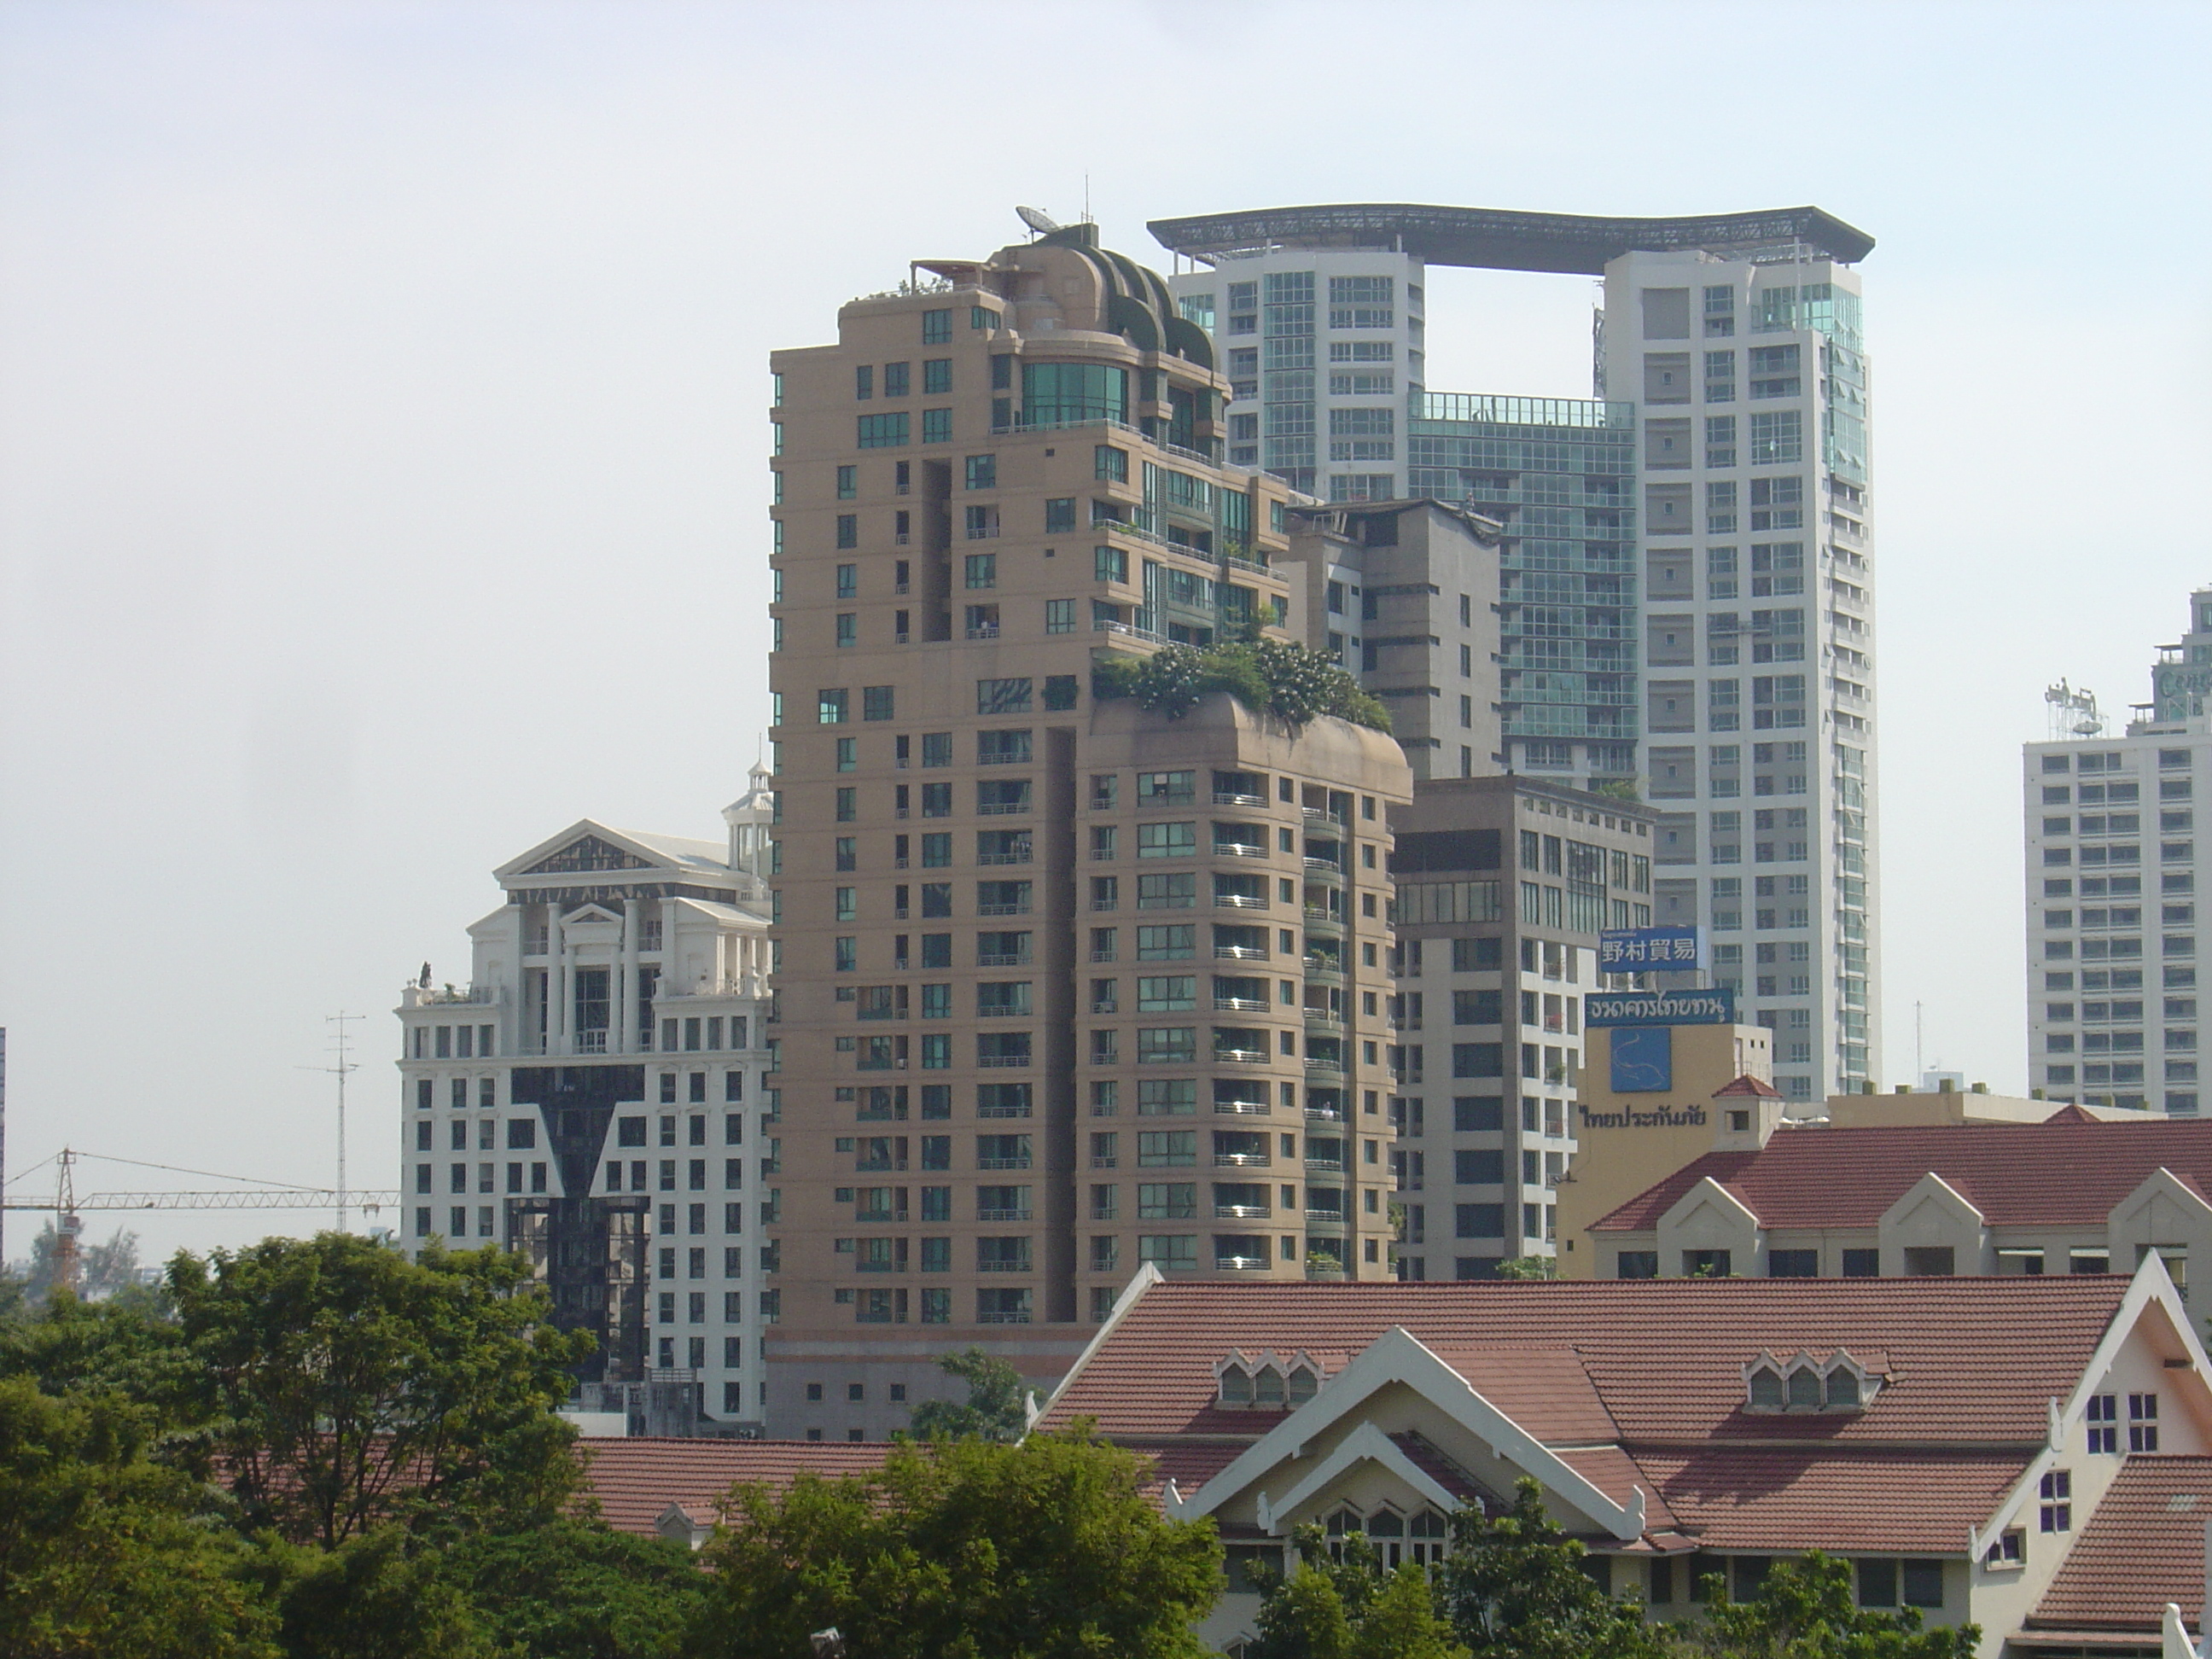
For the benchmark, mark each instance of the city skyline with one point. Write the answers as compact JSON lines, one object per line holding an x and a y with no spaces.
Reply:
{"x":329,"y":446}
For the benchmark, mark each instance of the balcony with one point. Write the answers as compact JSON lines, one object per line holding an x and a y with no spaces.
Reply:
{"x":1324,"y":1115}
{"x":1015,"y":960}
{"x":1321,"y":1066}
{"x":1108,"y":1007}
{"x":1241,"y":1161}
{"x":1239,"y":849}
{"x":1239,"y":953}
{"x":1242,"y":1107}
{"x":985,"y":633}
{"x":1021,"y":857}
{"x":1002,"y":1164}
{"x":1001,"y":1062}
{"x":1004,"y":1215}
{"x":1327,"y":869}
{"x":1323,"y":967}
{"x":1240,"y":900}
{"x":591,"y":1042}
{"x":1240,"y":1004}
{"x":1240,"y":1264}
{"x":1223,"y":798}
{"x":1317,"y":815}
{"x":1241,"y":1212}
{"x":1020,"y":1317}
{"x":1007,"y":1011}
{"x":1017,"y":1266}
{"x":1324,"y":1017}
{"x":1105,"y":904}
{"x":1241,"y":1057}
{"x":1317,"y":917}
{"x":1002,"y":910}
{"x":1325,"y":1166}
{"x":1102,"y":956}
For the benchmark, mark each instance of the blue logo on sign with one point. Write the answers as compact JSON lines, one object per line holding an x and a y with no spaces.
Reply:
{"x":1642,"y":1059}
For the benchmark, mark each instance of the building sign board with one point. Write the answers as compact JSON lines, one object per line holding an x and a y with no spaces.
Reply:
{"x":1641,"y":950}
{"x":1622,"y":1008}
{"x":1642,"y":1059}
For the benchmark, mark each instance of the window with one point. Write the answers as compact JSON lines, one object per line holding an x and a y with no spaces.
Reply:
{"x":1002,"y":697}
{"x":1109,"y":464}
{"x":936,"y":426}
{"x":1110,"y":564}
{"x":936,"y":377}
{"x":979,"y":570}
{"x":1060,"y":615}
{"x":877,"y":703}
{"x":2104,"y":1417}
{"x":2055,"y":1511}
{"x":983,"y":472}
{"x":883,"y":431}
{"x":936,"y":328}
{"x":2143,"y":1424}
{"x":831,"y":705}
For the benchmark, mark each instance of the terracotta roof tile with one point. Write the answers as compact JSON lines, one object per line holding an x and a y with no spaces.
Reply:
{"x":1972,"y":1360}
{"x":2143,"y":1547}
{"x":636,"y":1479}
{"x":2061,"y":1172}
{"x":1748,"y":1084}
{"x":1742,"y":1498}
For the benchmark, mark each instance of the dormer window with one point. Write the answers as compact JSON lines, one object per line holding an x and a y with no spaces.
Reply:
{"x":1810,"y":1382}
{"x":1265,"y":1382}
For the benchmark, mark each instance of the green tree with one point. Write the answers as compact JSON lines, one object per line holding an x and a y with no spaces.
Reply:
{"x":1345,"y":1606}
{"x":128,"y":1345}
{"x":376,"y":1594}
{"x":1514,"y":1588}
{"x":103,"y":1552}
{"x":1529,"y":1266}
{"x":995,"y":1408}
{"x":962,"y":1549}
{"x":342,"y":1384}
{"x":1806,"y":1610}
{"x":576,"y":1589}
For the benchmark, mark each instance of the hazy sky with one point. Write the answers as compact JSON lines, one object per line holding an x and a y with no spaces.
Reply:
{"x":382,"y":432}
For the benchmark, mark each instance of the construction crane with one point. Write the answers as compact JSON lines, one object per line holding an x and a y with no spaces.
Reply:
{"x":68,"y":1208}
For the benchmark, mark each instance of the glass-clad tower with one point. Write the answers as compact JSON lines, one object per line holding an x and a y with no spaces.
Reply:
{"x":1687,"y":564}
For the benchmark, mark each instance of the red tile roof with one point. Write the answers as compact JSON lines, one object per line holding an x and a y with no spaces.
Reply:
{"x":1743,"y":1499}
{"x":1747,"y":1085}
{"x":2065,"y":1171}
{"x":1974,"y":1360}
{"x":1639,"y":1383}
{"x":636,"y":1479}
{"x":2144,"y":1546}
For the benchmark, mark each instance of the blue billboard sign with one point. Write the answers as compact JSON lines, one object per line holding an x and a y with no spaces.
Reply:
{"x":1621,"y":1008}
{"x":1646,"y":950}
{"x":1642,"y":1059}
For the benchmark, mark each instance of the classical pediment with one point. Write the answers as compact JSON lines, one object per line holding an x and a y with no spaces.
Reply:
{"x":586,"y":853}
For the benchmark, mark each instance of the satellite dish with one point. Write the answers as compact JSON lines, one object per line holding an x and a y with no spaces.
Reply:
{"x":1037,"y":220}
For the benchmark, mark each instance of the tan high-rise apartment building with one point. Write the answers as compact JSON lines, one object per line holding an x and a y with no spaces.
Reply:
{"x":1066,"y":986}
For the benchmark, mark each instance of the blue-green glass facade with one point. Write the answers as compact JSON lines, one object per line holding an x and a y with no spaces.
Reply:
{"x":1560,"y":474}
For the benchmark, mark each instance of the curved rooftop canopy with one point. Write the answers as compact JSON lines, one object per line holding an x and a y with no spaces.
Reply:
{"x":1493,"y":240}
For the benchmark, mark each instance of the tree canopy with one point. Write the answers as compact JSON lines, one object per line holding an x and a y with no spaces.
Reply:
{"x":995,"y":1408}
{"x":1269,"y":677}
{"x":340,"y":1382}
{"x":964,"y":1549}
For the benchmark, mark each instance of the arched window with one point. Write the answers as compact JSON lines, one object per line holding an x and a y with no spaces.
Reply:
{"x":1303,"y":1384}
{"x":1427,"y":1530}
{"x":1804,"y":1389}
{"x":1844,"y":1390}
{"x":1386,"y":1527}
{"x":1267,"y":1389}
{"x":1765,"y":1390}
{"x":1235,"y":1387}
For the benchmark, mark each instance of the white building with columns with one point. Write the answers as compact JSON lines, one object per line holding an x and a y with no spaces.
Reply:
{"x":598,"y":1097}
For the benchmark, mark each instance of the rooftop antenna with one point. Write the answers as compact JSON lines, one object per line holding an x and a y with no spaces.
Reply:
{"x":1919,"y":1069}
{"x":1040,"y":222}
{"x":345,"y":1064}
{"x":2073,"y":713}
{"x":1087,"y":219}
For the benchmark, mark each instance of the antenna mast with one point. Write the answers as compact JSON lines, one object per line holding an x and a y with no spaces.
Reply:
{"x":345,"y":1064}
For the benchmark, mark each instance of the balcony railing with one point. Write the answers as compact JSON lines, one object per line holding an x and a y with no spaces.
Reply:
{"x":1021,"y":857}
{"x":1240,"y":1004}
{"x":1239,"y":953}
{"x":1237,"y":1264}
{"x":1000,"y":1062}
{"x":1240,"y":1056}
{"x":999,"y":809}
{"x":1015,"y":960}
{"x":1019,"y":1265}
{"x":1240,"y":900}
{"x":1019,"y":1316}
{"x":1240,"y":849}
{"x":1003,"y":1215}
{"x":1241,"y":1212}
{"x":1240,"y":1160}
{"x":1002,"y":910}
{"x":1002,"y":1164}
{"x":1225,"y":798}
{"x":1242,"y":1107}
